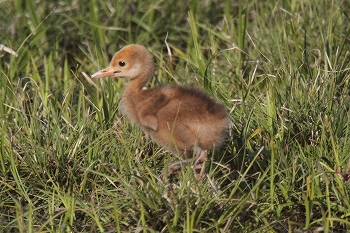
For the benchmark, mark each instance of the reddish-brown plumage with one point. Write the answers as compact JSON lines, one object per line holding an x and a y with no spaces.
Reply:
{"x":181,"y":119}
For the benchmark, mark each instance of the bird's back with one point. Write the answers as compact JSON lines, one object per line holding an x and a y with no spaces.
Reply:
{"x":188,"y":117}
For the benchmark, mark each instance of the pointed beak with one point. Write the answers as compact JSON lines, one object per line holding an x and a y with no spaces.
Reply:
{"x":109,"y":71}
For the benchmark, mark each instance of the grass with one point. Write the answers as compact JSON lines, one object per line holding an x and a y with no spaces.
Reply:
{"x":71,"y":162}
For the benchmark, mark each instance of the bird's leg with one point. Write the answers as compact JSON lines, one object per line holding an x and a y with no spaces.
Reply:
{"x":200,"y":161}
{"x":201,"y":157}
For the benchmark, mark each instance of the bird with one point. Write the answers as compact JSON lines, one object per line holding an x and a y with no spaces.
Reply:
{"x":184,"y":120}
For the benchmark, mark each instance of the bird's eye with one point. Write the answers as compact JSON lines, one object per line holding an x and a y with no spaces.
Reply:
{"x":122,"y":63}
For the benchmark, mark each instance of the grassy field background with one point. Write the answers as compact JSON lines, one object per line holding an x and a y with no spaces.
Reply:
{"x":71,"y":162}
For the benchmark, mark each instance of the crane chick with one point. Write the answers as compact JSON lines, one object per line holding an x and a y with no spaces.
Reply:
{"x":184,"y":120}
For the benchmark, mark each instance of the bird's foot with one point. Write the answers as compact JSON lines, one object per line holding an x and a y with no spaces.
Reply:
{"x":198,"y":164}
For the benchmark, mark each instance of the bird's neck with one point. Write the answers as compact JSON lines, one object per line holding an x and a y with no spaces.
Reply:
{"x":136,"y":84}
{"x":133,"y":95}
